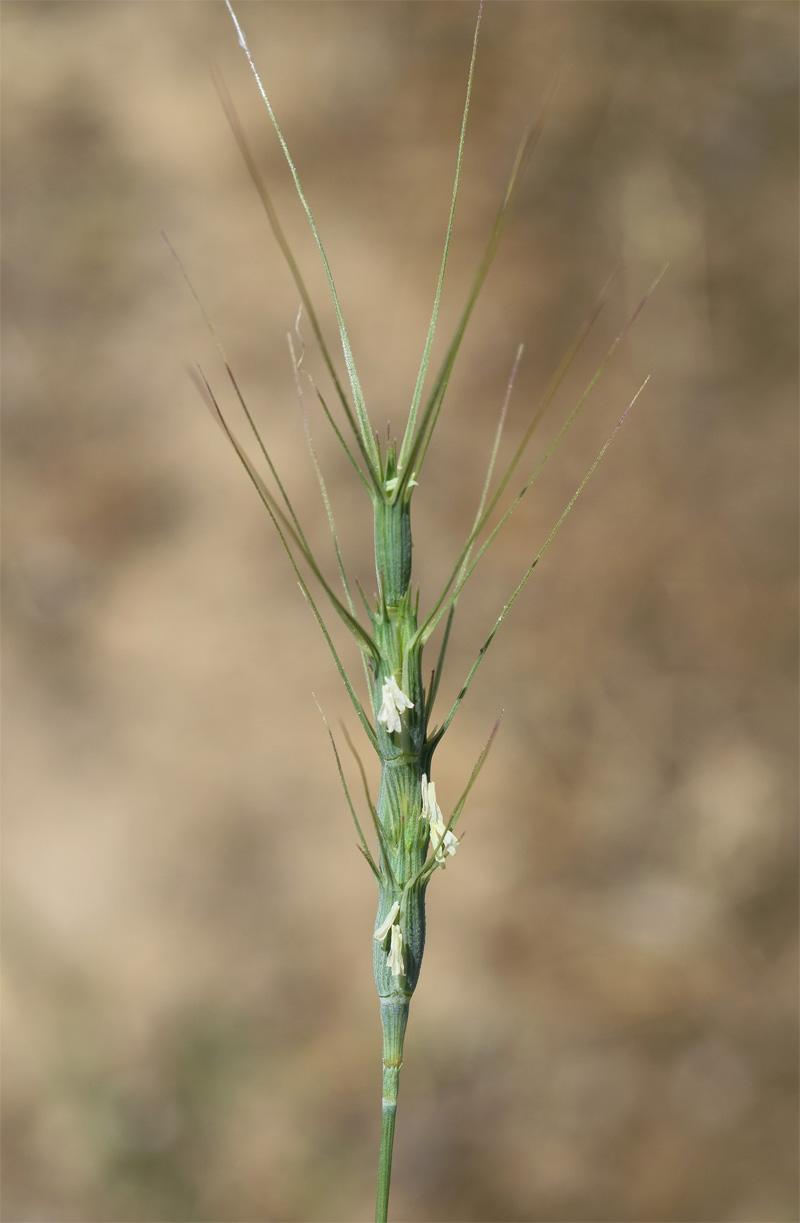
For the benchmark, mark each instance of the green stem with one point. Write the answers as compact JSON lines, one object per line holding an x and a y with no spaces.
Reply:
{"x":394,"y":1017}
{"x":391,"y":1076}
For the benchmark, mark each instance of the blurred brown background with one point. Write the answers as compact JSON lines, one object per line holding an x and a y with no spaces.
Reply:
{"x":605,"y":1028}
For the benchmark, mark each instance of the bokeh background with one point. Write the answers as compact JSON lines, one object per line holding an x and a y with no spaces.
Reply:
{"x":605,"y":1028}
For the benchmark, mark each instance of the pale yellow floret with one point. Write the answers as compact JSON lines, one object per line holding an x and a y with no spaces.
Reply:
{"x":443,"y":841}
{"x":430,"y":807}
{"x":383,"y":928}
{"x":393,"y":702}
{"x":391,"y":485}
{"x":395,"y":960}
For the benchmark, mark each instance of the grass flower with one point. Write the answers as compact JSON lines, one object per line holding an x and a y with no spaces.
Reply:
{"x":443,"y":841}
{"x":395,"y":960}
{"x":387,"y":923}
{"x":412,"y":835}
{"x":393,"y":702}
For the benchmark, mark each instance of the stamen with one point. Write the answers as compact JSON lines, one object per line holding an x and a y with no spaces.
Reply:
{"x":395,"y":960}
{"x":387,"y":923}
{"x":394,"y":701}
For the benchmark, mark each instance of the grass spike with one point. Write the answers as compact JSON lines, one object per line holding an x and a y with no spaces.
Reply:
{"x":413,"y":837}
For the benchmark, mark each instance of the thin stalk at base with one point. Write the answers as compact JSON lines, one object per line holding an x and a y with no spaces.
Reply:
{"x":394,"y":1017}
{"x":391,"y":1079}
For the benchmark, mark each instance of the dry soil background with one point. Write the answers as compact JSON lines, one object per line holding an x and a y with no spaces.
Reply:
{"x":605,"y":1027}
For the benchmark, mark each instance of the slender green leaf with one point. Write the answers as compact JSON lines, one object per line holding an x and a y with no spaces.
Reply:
{"x":338,"y":433}
{"x":325,"y":498}
{"x":283,"y":528}
{"x":437,"y":674}
{"x":459,"y":574}
{"x":286,"y":251}
{"x":411,"y":424}
{"x":370,"y":450}
{"x":493,"y":456}
{"x":320,"y":478}
{"x":435,"y":739}
{"x":433,"y":406}
{"x":299,"y":535}
{"x":432,"y":862}
{"x":364,"y":847}
{"x":372,"y":809}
